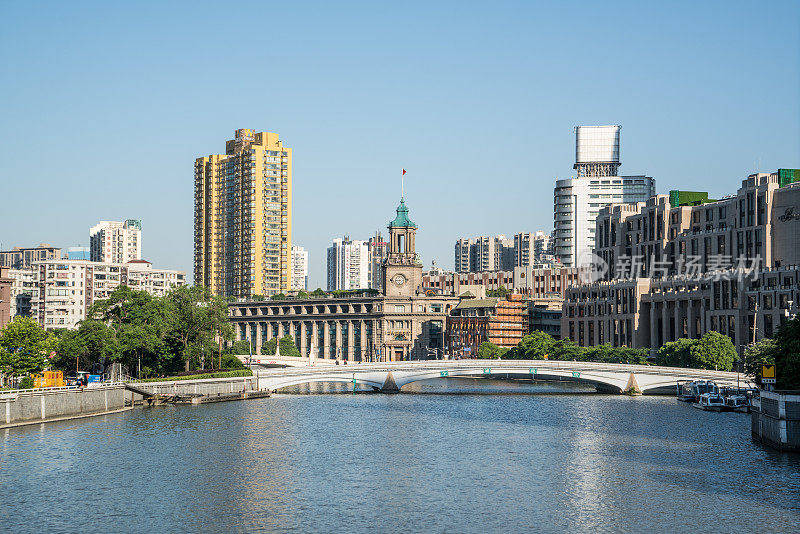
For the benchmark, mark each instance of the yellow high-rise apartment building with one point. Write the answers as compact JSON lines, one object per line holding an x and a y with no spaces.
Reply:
{"x":243,"y":217}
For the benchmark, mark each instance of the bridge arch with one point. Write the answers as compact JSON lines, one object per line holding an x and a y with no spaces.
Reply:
{"x":603,"y":382}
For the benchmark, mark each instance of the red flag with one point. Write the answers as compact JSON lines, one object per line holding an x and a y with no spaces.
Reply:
{"x":404,"y":172}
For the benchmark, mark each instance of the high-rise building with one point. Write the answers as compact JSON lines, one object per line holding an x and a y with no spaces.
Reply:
{"x":116,"y":241}
{"x":492,"y":253}
{"x":299,"y":268}
{"x":532,"y":248}
{"x":348,"y":264}
{"x":577,"y":200}
{"x":23,"y":258}
{"x":378,"y":250}
{"x":243,"y":217}
{"x":463,"y":259}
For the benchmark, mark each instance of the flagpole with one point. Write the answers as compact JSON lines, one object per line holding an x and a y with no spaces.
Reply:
{"x":403,"y":185}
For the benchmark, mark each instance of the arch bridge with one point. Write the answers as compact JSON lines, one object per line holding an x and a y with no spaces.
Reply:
{"x":391,"y":377}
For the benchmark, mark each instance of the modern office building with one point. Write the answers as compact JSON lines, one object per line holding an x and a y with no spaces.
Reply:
{"x":243,"y":217}
{"x":378,"y":251}
{"x":679,"y":270}
{"x":116,"y":241}
{"x":23,"y":258}
{"x":67,"y":288}
{"x":578,"y":200}
{"x":399,"y":323}
{"x":299,"y":268}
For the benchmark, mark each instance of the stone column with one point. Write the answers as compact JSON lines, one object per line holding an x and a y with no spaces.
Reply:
{"x":363,"y":340}
{"x":338,"y":339}
{"x":259,"y":336}
{"x":303,"y":338}
{"x":690,"y":319}
{"x":326,"y":339}
{"x":350,"y":341}
{"x":665,"y":322}
{"x":678,"y":320}
{"x":653,"y":326}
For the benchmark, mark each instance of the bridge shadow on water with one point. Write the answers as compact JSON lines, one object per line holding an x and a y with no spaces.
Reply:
{"x":453,"y":386}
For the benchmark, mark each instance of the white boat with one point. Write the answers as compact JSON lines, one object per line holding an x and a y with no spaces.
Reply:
{"x":711,"y":402}
{"x":737,"y":403}
{"x":691,"y":390}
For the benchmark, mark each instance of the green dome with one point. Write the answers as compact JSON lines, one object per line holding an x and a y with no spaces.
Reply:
{"x":402,"y":220}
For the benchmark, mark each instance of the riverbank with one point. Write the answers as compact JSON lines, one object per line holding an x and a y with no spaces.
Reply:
{"x":21,"y":407}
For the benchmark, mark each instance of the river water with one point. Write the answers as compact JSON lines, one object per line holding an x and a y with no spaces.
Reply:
{"x":458,"y":455}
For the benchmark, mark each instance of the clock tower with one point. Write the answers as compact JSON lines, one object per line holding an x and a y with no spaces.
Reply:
{"x":402,"y":273}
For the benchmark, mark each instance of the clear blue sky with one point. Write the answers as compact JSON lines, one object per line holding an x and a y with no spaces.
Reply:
{"x":107,"y":104}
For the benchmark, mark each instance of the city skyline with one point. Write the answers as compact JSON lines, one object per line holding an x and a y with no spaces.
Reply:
{"x":696,"y":138}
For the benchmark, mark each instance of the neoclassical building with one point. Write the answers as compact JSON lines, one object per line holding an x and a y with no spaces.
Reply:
{"x":398,"y":323}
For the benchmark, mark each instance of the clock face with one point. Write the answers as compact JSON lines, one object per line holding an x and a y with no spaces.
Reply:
{"x":399,"y":279}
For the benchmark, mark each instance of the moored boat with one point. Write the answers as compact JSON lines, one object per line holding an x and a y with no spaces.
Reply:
{"x":711,"y":402}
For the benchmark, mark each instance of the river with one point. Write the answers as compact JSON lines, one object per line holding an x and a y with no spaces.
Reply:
{"x":457,"y":455}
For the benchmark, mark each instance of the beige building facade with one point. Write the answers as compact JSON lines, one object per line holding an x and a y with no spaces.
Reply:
{"x":730,"y":266}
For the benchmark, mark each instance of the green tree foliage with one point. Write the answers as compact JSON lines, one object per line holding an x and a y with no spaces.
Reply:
{"x":25,"y":348}
{"x":229,"y":361}
{"x":317,"y":293}
{"x":302,"y":294}
{"x":712,"y":351}
{"x":675,"y":353}
{"x":501,"y":292}
{"x":186,"y":328}
{"x":787,"y":355}
{"x":489,"y":350}
{"x":257,"y":298}
{"x":534,"y":346}
{"x":288,"y":346}
{"x":279,"y":296}
{"x":240,"y":347}
{"x":756,"y":355}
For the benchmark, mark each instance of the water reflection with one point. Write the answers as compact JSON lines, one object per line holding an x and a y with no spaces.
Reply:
{"x":449,"y":457}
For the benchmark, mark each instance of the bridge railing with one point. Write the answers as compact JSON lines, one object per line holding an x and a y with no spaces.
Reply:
{"x":503,"y":366}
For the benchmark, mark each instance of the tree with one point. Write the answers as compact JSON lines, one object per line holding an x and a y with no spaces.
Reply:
{"x":712,"y":351}
{"x":534,"y":346}
{"x":287,"y":344}
{"x":257,"y":298}
{"x":489,"y":350}
{"x":501,"y":292}
{"x":189,"y":317}
{"x":278,"y":296}
{"x":25,"y":347}
{"x":756,"y":355}
{"x":302,"y":294}
{"x":317,"y":293}
{"x":240,"y":347}
{"x":787,"y":355}
{"x":289,"y":347}
{"x":675,"y":353}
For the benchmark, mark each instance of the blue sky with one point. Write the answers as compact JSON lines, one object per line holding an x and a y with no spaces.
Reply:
{"x":106,"y":105}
